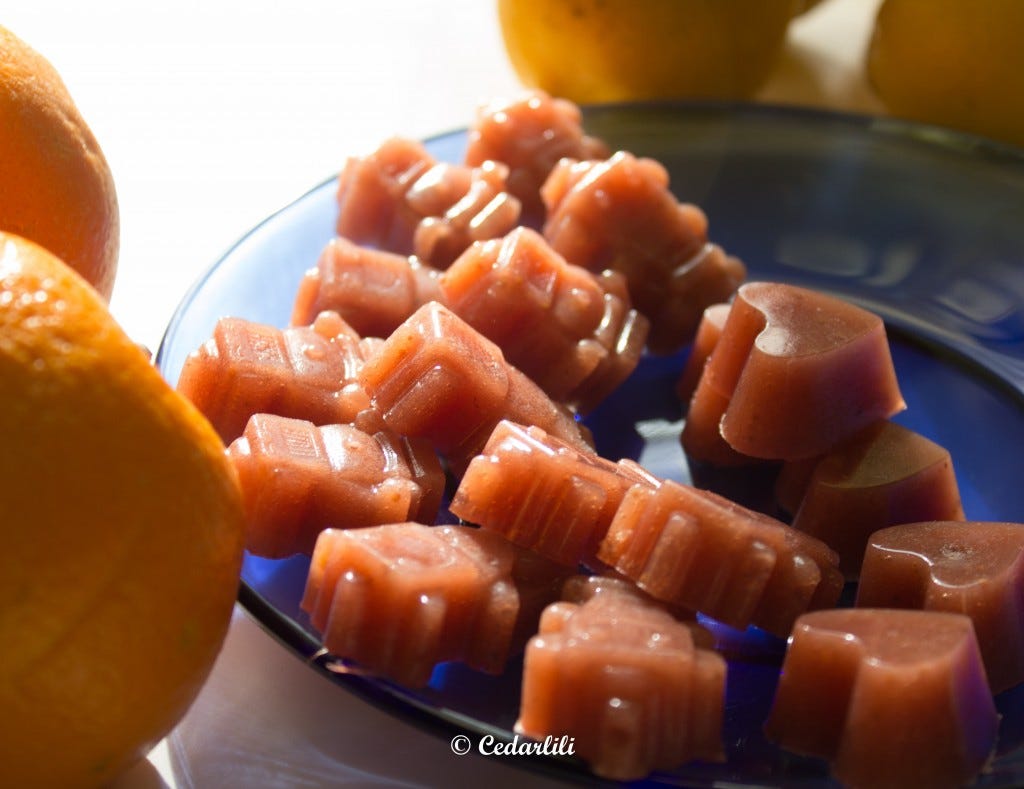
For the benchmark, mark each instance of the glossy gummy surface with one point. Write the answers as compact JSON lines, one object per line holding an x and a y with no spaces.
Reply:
{"x":920,"y":225}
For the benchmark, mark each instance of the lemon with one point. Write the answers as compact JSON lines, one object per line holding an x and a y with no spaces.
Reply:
{"x":592,"y":51}
{"x":952,"y":63}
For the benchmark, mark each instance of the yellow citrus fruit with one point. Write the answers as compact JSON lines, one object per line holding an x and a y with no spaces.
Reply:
{"x":611,"y":50}
{"x":55,"y":185}
{"x":122,"y":535}
{"x":952,"y":63}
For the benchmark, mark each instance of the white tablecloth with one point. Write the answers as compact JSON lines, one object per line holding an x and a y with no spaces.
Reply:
{"x":212,"y":116}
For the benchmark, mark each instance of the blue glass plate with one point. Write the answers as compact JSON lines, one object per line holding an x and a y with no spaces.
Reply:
{"x":918,"y":224}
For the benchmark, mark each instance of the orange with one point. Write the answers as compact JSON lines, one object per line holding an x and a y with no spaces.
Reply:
{"x":57,"y":188}
{"x":611,"y":50}
{"x":121,"y":533}
{"x":952,"y":63}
